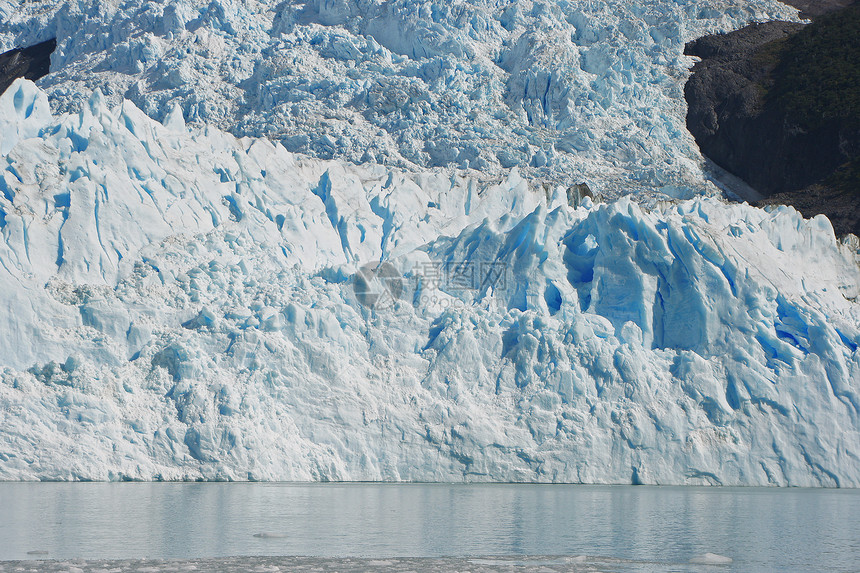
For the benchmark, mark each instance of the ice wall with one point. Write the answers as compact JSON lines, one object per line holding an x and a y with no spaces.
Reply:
{"x":182,"y":304}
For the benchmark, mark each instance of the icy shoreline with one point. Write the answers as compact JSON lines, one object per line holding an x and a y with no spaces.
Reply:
{"x":523,"y":564}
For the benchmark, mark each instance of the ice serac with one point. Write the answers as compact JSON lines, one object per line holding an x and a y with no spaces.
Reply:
{"x":180,"y":304}
{"x":24,"y":110}
{"x":566,"y":91}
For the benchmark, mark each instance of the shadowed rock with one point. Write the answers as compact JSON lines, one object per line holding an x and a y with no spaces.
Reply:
{"x":32,"y":63}
{"x":773,"y":104}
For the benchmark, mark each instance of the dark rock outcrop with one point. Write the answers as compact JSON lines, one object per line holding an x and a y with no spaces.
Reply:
{"x":772,"y":104}
{"x":726,"y":108}
{"x":32,"y":63}
{"x":841,"y":206}
{"x":816,"y":8}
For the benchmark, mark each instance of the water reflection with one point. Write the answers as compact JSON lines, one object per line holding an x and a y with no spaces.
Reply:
{"x":800,"y":529}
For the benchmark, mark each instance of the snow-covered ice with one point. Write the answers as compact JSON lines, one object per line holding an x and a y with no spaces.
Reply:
{"x":568,"y":91}
{"x":181,"y":304}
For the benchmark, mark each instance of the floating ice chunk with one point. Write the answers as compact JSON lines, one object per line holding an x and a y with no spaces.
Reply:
{"x":711,"y":559}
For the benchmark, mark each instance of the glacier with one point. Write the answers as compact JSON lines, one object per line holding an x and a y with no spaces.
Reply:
{"x":569,"y":91}
{"x":182,"y":303}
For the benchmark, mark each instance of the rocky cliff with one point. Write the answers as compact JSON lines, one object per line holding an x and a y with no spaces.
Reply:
{"x":777,"y":105}
{"x":32,"y":63}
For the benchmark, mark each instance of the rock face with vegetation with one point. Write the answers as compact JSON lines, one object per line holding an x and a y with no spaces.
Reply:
{"x":778,"y":105}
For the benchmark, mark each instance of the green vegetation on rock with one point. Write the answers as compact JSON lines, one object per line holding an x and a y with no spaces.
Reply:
{"x":817,"y":79}
{"x":846,"y":178}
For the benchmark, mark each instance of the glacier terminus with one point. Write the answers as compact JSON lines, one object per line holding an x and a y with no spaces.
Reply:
{"x":198,"y":202}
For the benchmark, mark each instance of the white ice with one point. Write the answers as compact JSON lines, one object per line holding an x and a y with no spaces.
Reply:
{"x":179,"y":304}
{"x":711,"y":559}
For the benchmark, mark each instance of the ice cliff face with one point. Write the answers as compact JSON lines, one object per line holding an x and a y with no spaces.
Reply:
{"x":179,"y":303}
{"x":567,"y":91}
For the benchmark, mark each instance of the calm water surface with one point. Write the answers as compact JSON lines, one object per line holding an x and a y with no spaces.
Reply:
{"x":760,"y":529}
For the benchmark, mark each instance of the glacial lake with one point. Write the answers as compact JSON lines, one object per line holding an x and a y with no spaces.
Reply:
{"x":180,"y":526}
